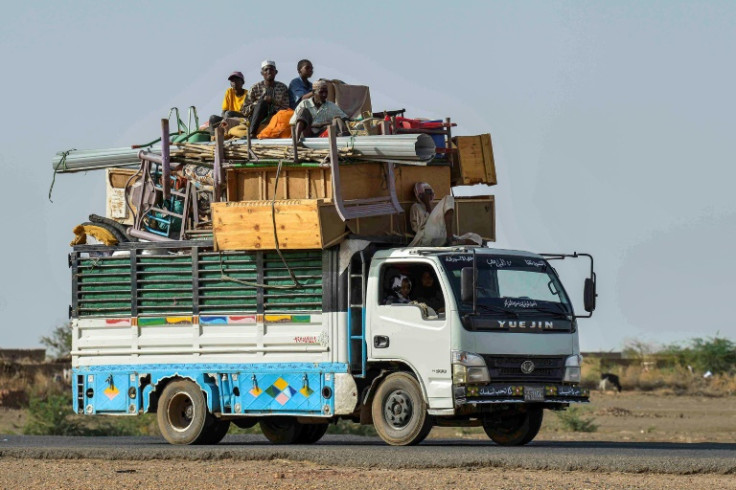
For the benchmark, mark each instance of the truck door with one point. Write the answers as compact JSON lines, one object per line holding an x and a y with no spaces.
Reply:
{"x":404,"y":327}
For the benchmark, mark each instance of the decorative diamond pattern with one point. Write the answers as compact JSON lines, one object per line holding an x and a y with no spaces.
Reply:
{"x":272,"y":391}
{"x":285,"y":395}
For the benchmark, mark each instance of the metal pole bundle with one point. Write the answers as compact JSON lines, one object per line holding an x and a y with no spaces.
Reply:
{"x":83,"y":160}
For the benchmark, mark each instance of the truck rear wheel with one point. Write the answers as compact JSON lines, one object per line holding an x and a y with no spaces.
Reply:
{"x":399,"y":411}
{"x":182,"y":413}
{"x":312,"y":433}
{"x":515,"y":427}
{"x":215,"y":430}
{"x":281,"y":430}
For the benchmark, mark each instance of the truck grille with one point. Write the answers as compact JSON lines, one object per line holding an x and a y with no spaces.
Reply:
{"x":508,"y":368}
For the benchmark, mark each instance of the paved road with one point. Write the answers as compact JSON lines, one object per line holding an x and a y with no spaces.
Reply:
{"x":357,"y":451}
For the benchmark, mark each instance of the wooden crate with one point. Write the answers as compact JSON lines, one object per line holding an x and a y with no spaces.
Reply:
{"x":472,"y":214}
{"x":358,"y":181}
{"x":300,"y":224}
{"x":475,"y":157}
{"x":257,"y":184}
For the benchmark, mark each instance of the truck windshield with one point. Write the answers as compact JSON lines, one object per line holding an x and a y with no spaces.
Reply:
{"x":510,"y":285}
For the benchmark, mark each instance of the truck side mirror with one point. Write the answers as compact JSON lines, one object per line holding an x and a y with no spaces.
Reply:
{"x":589,"y":295}
{"x":467,"y":287}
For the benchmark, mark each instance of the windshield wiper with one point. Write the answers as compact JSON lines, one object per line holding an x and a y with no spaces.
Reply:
{"x":498,"y":309}
{"x":557,"y":313}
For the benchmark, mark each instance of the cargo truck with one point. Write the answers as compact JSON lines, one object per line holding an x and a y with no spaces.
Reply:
{"x":294,"y":340}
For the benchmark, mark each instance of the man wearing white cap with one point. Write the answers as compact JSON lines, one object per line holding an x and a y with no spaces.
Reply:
{"x":265,"y":98}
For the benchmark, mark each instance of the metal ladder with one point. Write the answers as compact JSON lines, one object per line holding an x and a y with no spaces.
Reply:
{"x":356,"y":315}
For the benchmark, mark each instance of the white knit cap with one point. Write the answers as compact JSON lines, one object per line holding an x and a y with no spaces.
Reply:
{"x":266,"y":63}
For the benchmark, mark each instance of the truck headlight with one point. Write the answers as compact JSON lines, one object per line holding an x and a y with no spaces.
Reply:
{"x":572,"y":369}
{"x":468,"y":368}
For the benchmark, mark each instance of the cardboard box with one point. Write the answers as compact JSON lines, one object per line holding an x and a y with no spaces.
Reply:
{"x":115,"y":207}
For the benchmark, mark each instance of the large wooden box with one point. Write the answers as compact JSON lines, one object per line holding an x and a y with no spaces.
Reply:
{"x":475,"y":158}
{"x":357,"y":181}
{"x":300,"y":224}
{"x":475,"y":214}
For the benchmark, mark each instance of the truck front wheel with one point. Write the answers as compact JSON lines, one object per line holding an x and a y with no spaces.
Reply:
{"x":514,"y":427}
{"x":399,"y":411}
{"x":182,"y":413}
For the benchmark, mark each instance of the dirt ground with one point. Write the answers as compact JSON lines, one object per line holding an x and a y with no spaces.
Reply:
{"x":636,"y":417}
{"x":298,"y":475}
{"x":619,"y":417}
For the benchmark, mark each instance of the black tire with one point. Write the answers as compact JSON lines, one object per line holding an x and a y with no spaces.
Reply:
{"x":281,"y":430}
{"x":122,"y":229}
{"x":113,"y":231}
{"x":399,"y":411}
{"x":312,"y":433}
{"x":215,"y":431}
{"x":514,"y":427}
{"x":245,"y":422}
{"x":182,"y":413}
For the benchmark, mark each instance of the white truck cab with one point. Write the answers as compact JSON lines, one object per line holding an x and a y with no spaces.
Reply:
{"x":504,"y":341}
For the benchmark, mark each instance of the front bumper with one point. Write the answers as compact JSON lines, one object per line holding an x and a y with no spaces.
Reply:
{"x":520,"y":393}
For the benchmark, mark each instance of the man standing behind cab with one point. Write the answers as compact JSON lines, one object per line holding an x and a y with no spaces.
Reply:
{"x":265,"y":98}
{"x":301,"y":88}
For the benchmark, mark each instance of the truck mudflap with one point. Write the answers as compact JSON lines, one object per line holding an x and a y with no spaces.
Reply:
{"x":521,"y":393}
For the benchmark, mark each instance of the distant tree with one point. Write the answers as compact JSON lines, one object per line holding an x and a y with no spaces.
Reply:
{"x":714,"y":354}
{"x":59,"y":343}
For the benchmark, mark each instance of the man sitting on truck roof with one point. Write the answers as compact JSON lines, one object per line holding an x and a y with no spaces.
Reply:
{"x":314,"y":114}
{"x":233,"y":101}
{"x":265,"y":98}
{"x":301,"y":88}
{"x":433,"y":225}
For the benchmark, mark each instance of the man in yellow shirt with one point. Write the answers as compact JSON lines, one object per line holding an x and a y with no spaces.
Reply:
{"x":233,"y":101}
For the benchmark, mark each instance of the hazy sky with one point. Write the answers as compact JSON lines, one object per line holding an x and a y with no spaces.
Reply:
{"x":610,"y":124}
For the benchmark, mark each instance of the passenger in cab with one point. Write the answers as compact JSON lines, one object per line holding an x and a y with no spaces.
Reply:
{"x":314,"y":114}
{"x":265,"y":98}
{"x":429,"y":292}
{"x":301,"y":88}
{"x":233,"y":101}
{"x":400,"y":290}
{"x":433,"y":224}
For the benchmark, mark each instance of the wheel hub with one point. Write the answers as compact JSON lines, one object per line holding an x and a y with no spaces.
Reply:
{"x":181,"y":411}
{"x":398,"y":409}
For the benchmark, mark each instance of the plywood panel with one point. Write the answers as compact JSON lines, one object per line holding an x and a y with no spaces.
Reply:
{"x":408,"y":175}
{"x":300,"y":224}
{"x":476,"y":214}
{"x":363,"y":180}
